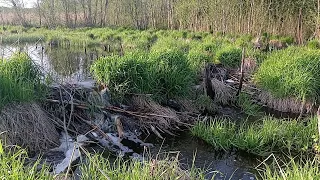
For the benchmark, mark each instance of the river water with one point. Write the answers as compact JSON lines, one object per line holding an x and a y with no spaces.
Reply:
{"x":71,"y":65}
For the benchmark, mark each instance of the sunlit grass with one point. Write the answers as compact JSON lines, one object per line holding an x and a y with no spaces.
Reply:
{"x":292,"y":72}
{"x":19,"y":80}
{"x":293,"y":170}
{"x":261,"y":138}
{"x":13,"y":166}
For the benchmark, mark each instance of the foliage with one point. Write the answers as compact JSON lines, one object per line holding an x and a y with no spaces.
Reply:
{"x":19,"y":79}
{"x":291,"y":72}
{"x":229,"y":56}
{"x":259,"y":138}
{"x":313,"y":44}
{"x":164,"y":74}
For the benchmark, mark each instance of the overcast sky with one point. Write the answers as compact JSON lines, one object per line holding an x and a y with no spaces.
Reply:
{"x":27,"y":3}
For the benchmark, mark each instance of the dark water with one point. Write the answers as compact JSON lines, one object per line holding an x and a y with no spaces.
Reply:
{"x":70,"y":65}
{"x":193,"y":151}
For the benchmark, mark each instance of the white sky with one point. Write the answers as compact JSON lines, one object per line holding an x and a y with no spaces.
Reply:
{"x":27,"y":3}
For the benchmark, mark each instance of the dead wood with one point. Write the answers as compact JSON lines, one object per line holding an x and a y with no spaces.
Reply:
{"x":27,"y":125}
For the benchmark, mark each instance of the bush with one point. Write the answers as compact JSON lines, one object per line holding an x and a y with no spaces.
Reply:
{"x":229,"y":56}
{"x":293,"y":72}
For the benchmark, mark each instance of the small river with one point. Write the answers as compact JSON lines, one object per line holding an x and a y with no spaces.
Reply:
{"x":71,"y":65}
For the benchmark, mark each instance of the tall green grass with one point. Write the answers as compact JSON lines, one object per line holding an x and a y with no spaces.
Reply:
{"x":169,"y":168}
{"x":229,"y":56}
{"x":293,"y":170}
{"x":293,"y":72}
{"x":261,"y":138}
{"x":163,"y":74}
{"x":19,"y":80}
{"x":13,"y":166}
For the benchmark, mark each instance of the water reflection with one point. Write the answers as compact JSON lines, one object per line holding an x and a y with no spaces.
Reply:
{"x":62,"y":64}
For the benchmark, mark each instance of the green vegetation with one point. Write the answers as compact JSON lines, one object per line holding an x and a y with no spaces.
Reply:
{"x":229,"y":56}
{"x":168,"y":168}
{"x":13,"y":166}
{"x":164,"y":74}
{"x":307,"y":170}
{"x":292,"y":72}
{"x":247,"y":106}
{"x":261,"y":138}
{"x":19,"y":78}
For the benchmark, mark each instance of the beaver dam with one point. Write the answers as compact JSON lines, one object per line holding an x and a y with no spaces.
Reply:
{"x":182,"y":108}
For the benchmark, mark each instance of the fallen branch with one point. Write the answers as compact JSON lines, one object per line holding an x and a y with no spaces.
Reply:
{"x":114,"y":109}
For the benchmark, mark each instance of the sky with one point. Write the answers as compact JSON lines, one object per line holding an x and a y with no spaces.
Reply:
{"x":27,"y":3}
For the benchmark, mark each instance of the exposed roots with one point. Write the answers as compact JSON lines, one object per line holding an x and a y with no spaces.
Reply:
{"x":28,"y":126}
{"x":224,"y":93}
{"x":290,"y":105}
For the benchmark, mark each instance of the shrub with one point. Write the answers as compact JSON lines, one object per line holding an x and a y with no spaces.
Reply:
{"x":291,"y":73}
{"x":229,"y":56}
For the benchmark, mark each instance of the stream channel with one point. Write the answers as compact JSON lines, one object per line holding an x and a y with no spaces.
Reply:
{"x":70,"y":65}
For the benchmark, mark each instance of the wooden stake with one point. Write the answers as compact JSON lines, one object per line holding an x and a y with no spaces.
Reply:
{"x":241,"y":70}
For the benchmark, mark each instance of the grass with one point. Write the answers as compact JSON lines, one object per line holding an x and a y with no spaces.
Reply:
{"x":19,"y":79}
{"x":261,"y":138}
{"x":164,"y":74}
{"x":293,"y":170}
{"x":229,"y":56}
{"x":13,"y":166}
{"x":292,"y":72}
{"x":168,"y":168}
{"x":247,"y":106}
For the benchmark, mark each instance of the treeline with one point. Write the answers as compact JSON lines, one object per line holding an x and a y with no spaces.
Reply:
{"x":298,"y":18}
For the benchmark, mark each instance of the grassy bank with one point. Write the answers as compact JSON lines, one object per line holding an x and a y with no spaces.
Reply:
{"x":163,"y":74}
{"x":292,"y":72}
{"x":261,"y":138}
{"x":19,"y":80}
